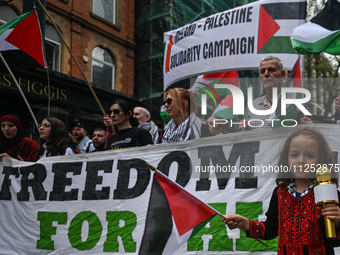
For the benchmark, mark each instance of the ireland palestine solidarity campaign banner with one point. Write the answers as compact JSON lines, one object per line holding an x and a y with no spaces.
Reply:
{"x":97,"y":203}
{"x":235,"y":39}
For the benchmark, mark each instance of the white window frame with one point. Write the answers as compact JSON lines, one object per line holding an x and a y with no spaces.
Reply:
{"x":113,"y":66}
{"x":113,"y":21}
{"x":56,"y":55}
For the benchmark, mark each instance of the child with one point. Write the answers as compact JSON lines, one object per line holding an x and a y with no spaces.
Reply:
{"x":292,"y":214}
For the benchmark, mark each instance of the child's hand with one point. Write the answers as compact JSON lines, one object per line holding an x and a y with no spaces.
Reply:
{"x":236,"y":221}
{"x":332,"y":212}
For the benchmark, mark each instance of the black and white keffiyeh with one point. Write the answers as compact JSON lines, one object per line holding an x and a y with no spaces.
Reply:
{"x":152,"y":129}
{"x":191,"y":125}
{"x":292,"y":188}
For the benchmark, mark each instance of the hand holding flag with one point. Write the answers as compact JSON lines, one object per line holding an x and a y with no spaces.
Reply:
{"x":174,"y":216}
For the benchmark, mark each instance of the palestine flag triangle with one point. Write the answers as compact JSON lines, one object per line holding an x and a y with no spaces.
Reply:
{"x":225,"y":109}
{"x":205,"y":84}
{"x":20,"y":42}
{"x":294,"y":81}
{"x":320,"y":34}
{"x":220,"y":99}
{"x":276,"y":22}
{"x":173,"y":217}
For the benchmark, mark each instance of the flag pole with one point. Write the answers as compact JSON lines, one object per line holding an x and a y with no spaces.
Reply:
{"x":211,"y":208}
{"x":74,"y":58}
{"x":20,"y":90}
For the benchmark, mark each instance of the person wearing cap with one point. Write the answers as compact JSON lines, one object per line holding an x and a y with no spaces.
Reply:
{"x":79,"y":133}
{"x":13,"y":143}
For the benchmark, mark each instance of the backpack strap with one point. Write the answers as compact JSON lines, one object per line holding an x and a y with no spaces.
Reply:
{"x":88,"y":147}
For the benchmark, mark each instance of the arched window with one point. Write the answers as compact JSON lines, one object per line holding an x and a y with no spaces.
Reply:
{"x":103,"y":68}
{"x":52,"y":47}
{"x":105,"y":9}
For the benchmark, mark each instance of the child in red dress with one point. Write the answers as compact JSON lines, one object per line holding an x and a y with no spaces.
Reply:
{"x":292,"y":214}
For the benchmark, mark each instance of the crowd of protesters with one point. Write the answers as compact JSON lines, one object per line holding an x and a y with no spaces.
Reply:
{"x":132,"y":127}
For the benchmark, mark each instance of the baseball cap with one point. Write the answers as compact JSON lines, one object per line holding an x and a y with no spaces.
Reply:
{"x":79,"y":125}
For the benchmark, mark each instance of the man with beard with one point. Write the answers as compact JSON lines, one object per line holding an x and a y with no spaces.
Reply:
{"x":85,"y":144}
{"x":143,"y":117}
{"x":99,"y":139}
{"x":271,"y":75}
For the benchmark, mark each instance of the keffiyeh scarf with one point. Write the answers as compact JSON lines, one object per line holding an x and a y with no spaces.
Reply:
{"x":292,"y":188}
{"x":182,"y":133}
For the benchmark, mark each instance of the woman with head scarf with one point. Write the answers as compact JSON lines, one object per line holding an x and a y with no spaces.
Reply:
{"x":55,"y":139}
{"x":13,"y":143}
{"x":184,"y":124}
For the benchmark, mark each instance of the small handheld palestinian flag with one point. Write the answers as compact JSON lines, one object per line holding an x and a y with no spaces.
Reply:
{"x":174,"y":216}
{"x":20,"y":42}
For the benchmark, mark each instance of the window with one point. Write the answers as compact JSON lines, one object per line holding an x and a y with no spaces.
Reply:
{"x":52,"y":48}
{"x":105,"y":9}
{"x":6,"y":14}
{"x":103,"y":68}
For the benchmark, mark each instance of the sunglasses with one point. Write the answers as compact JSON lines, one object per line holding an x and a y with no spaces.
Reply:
{"x":114,"y":111}
{"x":168,"y":101}
{"x":45,"y":125}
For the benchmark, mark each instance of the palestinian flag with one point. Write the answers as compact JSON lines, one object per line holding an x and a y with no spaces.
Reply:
{"x":174,"y":216}
{"x":20,"y":42}
{"x":275,"y":26}
{"x":294,"y":81}
{"x":163,"y":113}
{"x":225,"y":109}
{"x":320,"y":34}
{"x":205,"y":85}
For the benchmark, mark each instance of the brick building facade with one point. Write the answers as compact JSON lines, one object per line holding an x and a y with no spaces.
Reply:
{"x":101,"y":35}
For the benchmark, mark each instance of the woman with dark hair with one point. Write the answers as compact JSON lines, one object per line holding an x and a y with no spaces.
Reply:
{"x":13,"y":143}
{"x":127,"y":134}
{"x":55,"y":139}
{"x":184,"y":124}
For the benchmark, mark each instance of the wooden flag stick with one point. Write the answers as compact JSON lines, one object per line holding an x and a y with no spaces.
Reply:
{"x":74,"y":58}
{"x":213,"y":209}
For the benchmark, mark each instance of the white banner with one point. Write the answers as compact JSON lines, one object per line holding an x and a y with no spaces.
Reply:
{"x":96,"y":203}
{"x":235,"y":39}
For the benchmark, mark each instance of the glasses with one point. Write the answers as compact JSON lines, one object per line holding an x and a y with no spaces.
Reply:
{"x":168,"y":101}
{"x":210,"y":123}
{"x":45,"y":125}
{"x":114,"y":111}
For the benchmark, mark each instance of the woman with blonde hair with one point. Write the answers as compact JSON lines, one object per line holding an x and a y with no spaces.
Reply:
{"x":181,"y":107}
